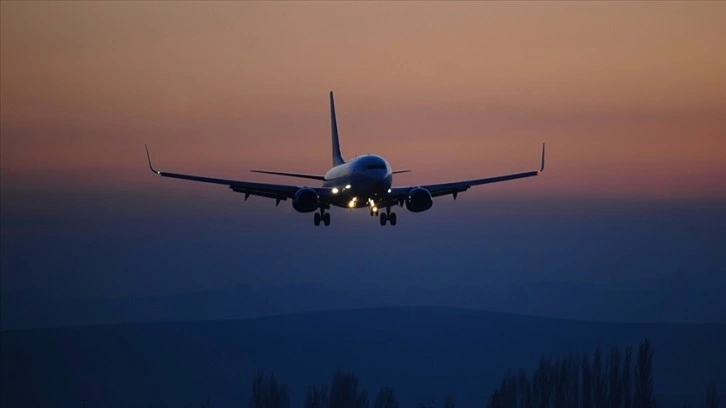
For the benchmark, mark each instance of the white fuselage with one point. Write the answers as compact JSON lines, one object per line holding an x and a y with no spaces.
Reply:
{"x":359,"y":182}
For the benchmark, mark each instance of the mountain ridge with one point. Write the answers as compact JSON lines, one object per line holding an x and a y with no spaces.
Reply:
{"x":640,"y":303}
{"x":422,"y":352}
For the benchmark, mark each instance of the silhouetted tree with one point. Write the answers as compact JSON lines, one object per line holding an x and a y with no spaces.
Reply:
{"x":712,"y":399}
{"x":542,"y":384}
{"x":386,"y":399}
{"x":524,"y":390}
{"x":626,"y":380}
{"x":572,"y":382}
{"x":510,"y":389}
{"x":362,"y":401}
{"x":613,"y":364}
{"x":514,"y":391}
{"x":429,"y":404}
{"x":643,"y":397}
{"x":576,"y":382}
{"x":317,"y":397}
{"x":344,"y":392}
{"x":268,"y":393}
{"x":586,"y":382}
{"x":599,"y":386}
{"x":559,"y":376}
{"x":449,"y":402}
{"x":495,"y":401}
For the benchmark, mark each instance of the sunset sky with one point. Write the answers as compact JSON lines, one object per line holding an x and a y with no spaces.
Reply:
{"x":630,"y":98}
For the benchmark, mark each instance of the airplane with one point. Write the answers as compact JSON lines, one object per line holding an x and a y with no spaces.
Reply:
{"x":363,"y":182}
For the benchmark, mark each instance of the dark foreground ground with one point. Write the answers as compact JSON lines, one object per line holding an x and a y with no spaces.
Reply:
{"x":423,"y":353}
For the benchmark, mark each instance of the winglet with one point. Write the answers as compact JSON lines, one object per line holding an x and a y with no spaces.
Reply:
{"x":148,"y":156}
{"x":541,"y":169}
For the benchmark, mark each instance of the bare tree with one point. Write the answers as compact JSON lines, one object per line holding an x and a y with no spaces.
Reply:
{"x":268,"y":393}
{"x":362,"y":400}
{"x":599,"y":386}
{"x":712,"y":399}
{"x":576,"y":381}
{"x":449,"y":402}
{"x":559,"y":374}
{"x":524,"y":390}
{"x":586,"y":382}
{"x":344,"y":392}
{"x":317,"y":397}
{"x":643,"y":397}
{"x":386,"y":398}
{"x":542,"y":383}
{"x":613,"y":365}
{"x":626,"y":381}
{"x":572,"y":387}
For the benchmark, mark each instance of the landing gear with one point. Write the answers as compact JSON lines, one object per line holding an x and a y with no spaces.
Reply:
{"x":321,"y":216}
{"x":389,"y":217}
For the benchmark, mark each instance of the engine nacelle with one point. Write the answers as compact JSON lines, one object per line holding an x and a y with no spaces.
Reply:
{"x":419,"y":199}
{"x":306,"y":200}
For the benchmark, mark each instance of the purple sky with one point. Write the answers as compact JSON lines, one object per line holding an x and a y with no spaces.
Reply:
{"x":630,"y":97}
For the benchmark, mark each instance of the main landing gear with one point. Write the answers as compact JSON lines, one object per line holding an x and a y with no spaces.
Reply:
{"x":388,"y":216}
{"x":321,"y":216}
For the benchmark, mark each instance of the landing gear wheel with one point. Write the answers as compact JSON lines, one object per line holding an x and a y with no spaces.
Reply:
{"x":392,"y":218}
{"x":326,"y":219}
{"x":384,"y":218}
{"x":316,"y":219}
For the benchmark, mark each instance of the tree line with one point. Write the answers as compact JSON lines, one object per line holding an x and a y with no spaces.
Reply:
{"x":607,"y":380}
{"x":344,"y":391}
{"x":615,"y":379}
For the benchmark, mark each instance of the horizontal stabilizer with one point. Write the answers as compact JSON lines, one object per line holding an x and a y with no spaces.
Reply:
{"x":298,"y":175}
{"x":400,"y":171}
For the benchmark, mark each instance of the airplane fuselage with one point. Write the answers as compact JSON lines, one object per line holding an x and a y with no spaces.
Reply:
{"x":359,"y":181}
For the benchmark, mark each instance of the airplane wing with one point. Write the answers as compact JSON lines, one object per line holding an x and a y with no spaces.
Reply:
{"x":278,"y":192}
{"x":280,"y":173}
{"x":399,"y":194}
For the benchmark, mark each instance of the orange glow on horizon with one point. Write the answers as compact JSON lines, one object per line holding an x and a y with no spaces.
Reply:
{"x":630,"y":97}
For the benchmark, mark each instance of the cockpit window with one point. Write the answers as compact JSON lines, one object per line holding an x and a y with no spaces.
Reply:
{"x":376,"y":166}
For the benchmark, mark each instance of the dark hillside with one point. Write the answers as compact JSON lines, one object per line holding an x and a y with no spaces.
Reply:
{"x":420,"y":352}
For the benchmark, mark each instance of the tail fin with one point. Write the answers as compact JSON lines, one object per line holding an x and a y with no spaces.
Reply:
{"x":337,"y":157}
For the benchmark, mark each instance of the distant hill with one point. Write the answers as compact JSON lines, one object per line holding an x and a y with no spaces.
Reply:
{"x":676,"y":299}
{"x":422,"y":352}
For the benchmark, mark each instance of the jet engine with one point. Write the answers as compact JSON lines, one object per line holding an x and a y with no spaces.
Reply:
{"x":419,"y":199}
{"x":306,"y":200}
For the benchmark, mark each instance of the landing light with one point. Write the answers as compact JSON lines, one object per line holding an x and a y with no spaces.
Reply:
{"x":351,"y":204}
{"x":375,"y":209}
{"x":389,"y":191}
{"x":347,"y":186}
{"x":335,"y":190}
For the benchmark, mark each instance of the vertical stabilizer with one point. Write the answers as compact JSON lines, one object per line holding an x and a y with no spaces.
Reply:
{"x":337,"y":157}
